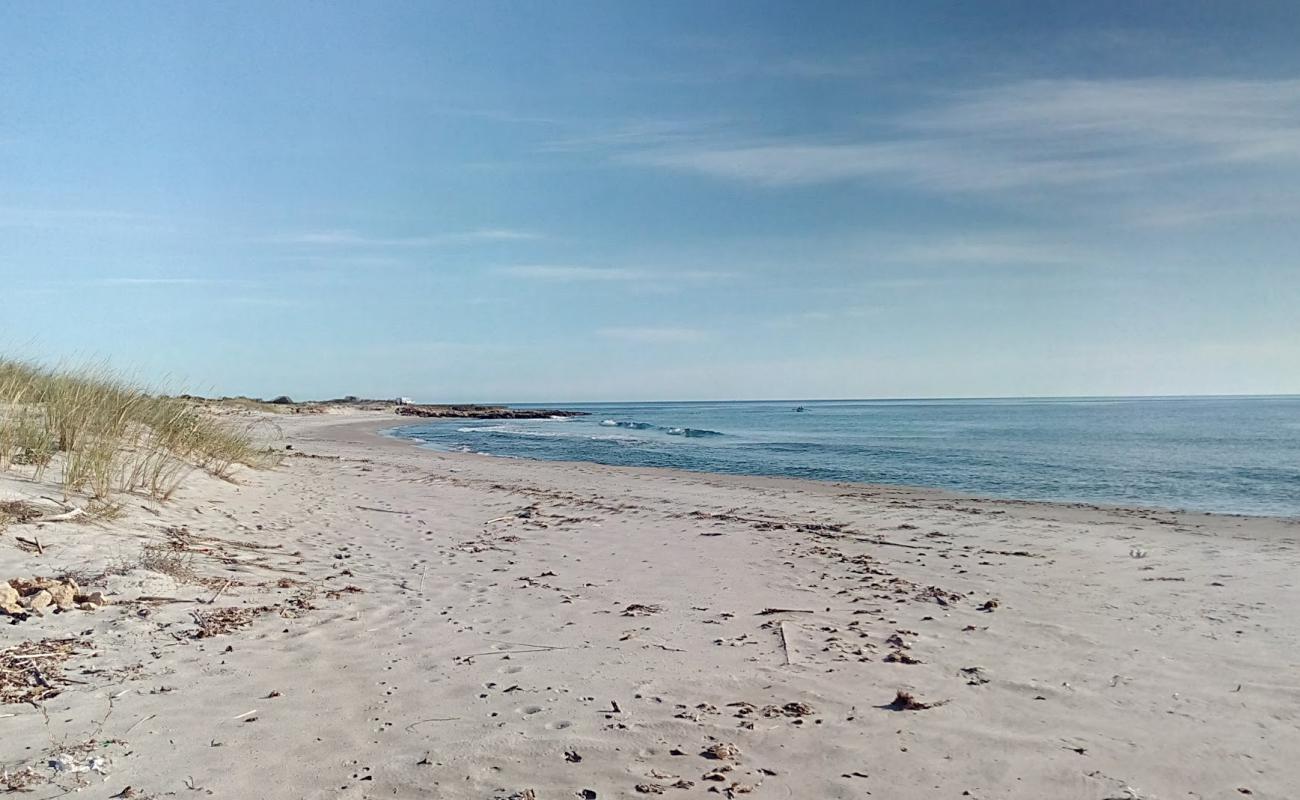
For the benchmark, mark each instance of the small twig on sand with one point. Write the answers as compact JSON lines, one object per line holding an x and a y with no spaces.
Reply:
{"x":887,"y":543}
{"x":785,"y":645}
{"x":383,"y":510}
{"x":138,"y":723}
{"x":528,"y":644}
{"x":511,"y":652}
{"x":411,"y":728}
{"x":58,"y":502}
{"x":223,"y":588}
{"x":32,"y":542}
{"x":767,"y":611}
{"x":246,"y":714}
{"x":422,"y":575}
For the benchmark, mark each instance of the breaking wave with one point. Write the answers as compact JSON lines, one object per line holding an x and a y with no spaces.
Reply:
{"x":690,"y":433}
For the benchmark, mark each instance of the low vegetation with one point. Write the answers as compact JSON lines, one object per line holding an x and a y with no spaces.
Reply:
{"x":98,"y":434}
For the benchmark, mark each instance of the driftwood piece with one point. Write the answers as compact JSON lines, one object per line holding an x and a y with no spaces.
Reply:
{"x":785,"y":645}
{"x":67,"y":516}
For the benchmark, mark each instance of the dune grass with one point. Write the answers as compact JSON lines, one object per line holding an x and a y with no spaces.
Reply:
{"x":105,"y":435}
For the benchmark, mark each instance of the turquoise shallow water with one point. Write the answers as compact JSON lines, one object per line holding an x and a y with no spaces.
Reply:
{"x":1227,"y":455}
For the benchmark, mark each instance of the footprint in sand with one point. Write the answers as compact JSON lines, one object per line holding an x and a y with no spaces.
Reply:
{"x":528,"y":711}
{"x":559,"y":725}
{"x":511,"y":670}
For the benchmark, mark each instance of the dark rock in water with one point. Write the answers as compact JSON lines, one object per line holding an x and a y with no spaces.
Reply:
{"x":483,"y":412}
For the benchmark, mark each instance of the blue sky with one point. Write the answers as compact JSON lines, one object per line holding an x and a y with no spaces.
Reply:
{"x":587,"y":201}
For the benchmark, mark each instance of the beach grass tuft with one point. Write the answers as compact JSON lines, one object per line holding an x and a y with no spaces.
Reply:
{"x":104,"y":434}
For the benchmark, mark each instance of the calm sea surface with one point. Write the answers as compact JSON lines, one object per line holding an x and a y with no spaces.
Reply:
{"x":1229,"y":455}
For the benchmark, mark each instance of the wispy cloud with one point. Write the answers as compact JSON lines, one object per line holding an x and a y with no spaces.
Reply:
{"x":1031,"y":134}
{"x":816,"y":317}
{"x":63,"y":219}
{"x":584,"y":274}
{"x":163,"y":281}
{"x":570,"y":274}
{"x":642,"y":133}
{"x":265,"y":301}
{"x":351,"y":239}
{"x":654,"y":335}
{"x":988,"y":250}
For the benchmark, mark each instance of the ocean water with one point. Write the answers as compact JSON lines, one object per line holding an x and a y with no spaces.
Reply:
{"x":1228,"y":455}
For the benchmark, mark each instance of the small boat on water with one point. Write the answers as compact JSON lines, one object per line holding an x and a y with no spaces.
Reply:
{"x":799,"y":409}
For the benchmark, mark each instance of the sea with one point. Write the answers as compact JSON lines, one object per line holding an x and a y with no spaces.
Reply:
{"x":1232,"y":455}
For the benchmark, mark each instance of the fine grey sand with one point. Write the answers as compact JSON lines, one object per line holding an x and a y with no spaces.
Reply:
{"x":423,"y":624}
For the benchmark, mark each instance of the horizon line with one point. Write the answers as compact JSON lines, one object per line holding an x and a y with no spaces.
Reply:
{"x":1239,"y":396}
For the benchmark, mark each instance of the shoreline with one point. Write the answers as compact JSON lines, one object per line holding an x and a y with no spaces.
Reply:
{"x":405,"y":622}
{"x":385,"y":432}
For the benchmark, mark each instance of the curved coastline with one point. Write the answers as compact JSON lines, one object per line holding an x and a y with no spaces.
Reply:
{"x":392,"y":432}
{"x":383,"y":431}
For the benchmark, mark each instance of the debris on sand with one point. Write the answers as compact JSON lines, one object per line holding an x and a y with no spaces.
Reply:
{"x":975,"y":676}
{"x":30,"y":672}
{"x":641,"y":610}
{"x":905,"y":701}
{"x":788,"y":710}
{"x":21,"y":511}
{"x":941,"y":596}
{"x":67,"y":763}
{"x":722,"y":751}
{"x":226,"y":620}
{"x":900,"y":657}
{"x":989,"y":606}
{"x":21,"y":780}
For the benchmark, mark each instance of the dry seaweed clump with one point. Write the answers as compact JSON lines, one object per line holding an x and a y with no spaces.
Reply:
{"x":20,"y":780}
{"x":641,"y":610}
{"x":905,"y":701}
{"x":722,"y":751}
{"x":226,"y":620}
{"x":31,"y":672}
{"x":19,"y":511}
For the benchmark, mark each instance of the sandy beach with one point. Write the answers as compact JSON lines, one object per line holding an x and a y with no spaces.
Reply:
{"x":371,"y":619}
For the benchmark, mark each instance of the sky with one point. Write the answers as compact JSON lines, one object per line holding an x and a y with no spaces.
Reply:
{"x":565,"y":201}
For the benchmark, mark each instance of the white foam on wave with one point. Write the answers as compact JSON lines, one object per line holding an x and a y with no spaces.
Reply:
{"x":508,"y":431}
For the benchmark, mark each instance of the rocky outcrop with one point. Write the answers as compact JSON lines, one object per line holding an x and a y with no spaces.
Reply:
{"x":483,"y":412}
